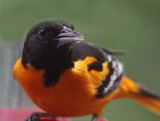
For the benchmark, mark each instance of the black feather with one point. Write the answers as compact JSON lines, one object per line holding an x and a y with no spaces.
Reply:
{"x":42,"y":53}
{"x":115,"y":52}
{"x":148,"y":93}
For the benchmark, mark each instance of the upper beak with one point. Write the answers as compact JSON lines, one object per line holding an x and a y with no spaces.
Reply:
{"x":69,"y":36}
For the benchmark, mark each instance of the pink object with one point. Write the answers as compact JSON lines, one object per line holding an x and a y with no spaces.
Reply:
{"x":22,"y":114}
{"x":103,"y":119}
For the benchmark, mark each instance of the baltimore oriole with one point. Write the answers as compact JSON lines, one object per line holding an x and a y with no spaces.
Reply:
{"x":66,"y":77}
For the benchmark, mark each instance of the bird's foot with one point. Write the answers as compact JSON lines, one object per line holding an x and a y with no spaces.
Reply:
{"x":37,"y":115}
{"x":96,"y":118}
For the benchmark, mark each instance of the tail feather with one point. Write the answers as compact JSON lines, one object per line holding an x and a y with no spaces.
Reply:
{"x":148,"y":99}
{"x":140,"y":94}
{"x":150,"y":103}
{"x":147,"y":93}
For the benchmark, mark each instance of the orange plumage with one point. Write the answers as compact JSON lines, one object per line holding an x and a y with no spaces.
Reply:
{"x":67,"y":98}
{"x":77,"y":82}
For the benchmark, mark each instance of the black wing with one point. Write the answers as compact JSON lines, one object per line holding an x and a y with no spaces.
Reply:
{"x":116,"y":69}
{"x":115,"y":52}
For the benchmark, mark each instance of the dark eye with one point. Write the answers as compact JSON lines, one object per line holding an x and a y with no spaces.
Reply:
{"x":42,"y":34}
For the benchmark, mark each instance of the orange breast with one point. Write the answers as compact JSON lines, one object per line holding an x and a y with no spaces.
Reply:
{"x":73,"y":95}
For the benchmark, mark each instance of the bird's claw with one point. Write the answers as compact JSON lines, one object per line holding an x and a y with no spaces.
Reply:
{"x":33,"y":117}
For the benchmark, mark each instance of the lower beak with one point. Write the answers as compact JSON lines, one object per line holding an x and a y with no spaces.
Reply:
{"x":69,"y":36}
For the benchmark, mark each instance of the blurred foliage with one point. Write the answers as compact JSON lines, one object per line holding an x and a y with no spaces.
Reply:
{"x":120,"y":24}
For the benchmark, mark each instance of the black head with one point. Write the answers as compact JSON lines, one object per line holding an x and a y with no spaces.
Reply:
{"x":48,"y":44}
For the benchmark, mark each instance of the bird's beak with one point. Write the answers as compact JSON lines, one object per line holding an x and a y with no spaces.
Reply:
{"x":69,"y":36}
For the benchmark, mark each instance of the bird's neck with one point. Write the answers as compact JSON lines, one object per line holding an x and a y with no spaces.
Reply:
{"x":56,"y":66}
{"x":53,"y":63}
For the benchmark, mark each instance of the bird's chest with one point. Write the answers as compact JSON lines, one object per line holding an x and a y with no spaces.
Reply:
{"x":72,"y":95}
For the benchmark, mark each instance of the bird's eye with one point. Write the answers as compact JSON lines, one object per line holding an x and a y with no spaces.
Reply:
{"x":42,"y":33}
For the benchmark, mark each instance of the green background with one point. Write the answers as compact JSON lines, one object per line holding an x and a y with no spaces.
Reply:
{"x":132,"y":25}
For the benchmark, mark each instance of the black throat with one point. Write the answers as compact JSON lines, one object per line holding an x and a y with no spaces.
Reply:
{"x":61,"y":62}
{"x":54,"y":63}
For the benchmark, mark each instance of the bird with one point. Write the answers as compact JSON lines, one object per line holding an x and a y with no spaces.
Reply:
{"x":67,"y":77}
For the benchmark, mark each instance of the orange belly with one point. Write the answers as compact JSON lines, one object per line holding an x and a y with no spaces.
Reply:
{"x":73,"y":95}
